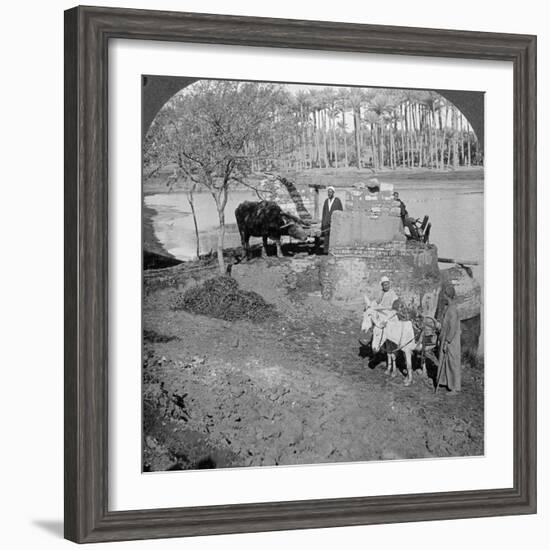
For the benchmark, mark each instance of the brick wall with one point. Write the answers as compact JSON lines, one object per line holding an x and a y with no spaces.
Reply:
{"x":367,"y":218}
{"x":377,"y":204}
{"x":344,"y":280}
{"x":354,"y":230}
{"x":349,"y":274}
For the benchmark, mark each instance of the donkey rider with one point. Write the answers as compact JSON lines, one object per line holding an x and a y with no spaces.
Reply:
{"x":385,"y":331}
{"x":387,"y":296}
{"x":383,"y":303}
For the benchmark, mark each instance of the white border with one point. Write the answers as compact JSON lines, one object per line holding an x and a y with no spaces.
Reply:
{"x":128,"y":488}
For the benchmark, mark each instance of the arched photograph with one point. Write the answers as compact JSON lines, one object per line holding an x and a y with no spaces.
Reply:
{"x":313,"y":273}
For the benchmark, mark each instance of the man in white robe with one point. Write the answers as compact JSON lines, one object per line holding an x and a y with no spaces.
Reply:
{"x":387,"y":295}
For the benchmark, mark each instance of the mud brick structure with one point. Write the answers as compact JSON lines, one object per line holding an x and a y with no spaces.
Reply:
{"x":342,"y":280}
{"x":353,"y":272}
{"x":375,"y":203}
{"x":367,"y":218}
{"x":352,"y":230}
{"x":367,"y":242}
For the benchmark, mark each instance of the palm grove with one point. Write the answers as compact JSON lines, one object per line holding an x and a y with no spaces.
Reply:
{"x":214,"y":135}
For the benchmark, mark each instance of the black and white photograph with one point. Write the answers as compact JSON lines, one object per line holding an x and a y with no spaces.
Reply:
{"x":285,"y":286}
{"x":313,"y":273}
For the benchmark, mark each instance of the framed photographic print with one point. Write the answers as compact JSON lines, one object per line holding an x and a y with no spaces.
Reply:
{"x":300,"y":267}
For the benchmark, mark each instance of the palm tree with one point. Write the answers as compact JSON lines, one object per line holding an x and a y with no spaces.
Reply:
{"x":343,"y":101}
{"x":372,"y":119}
{"x":303,"y":107}
{"x":429,"y":103}
{"x":454,"y":126}
{"x":356,"y":97}
{"x":317,"y":105}
{"x":405,"y":101}
{"x":331,"y":104}
{"x":380,"y":109}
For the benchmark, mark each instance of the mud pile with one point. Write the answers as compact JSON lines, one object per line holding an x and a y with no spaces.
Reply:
{"x":222,"y":298}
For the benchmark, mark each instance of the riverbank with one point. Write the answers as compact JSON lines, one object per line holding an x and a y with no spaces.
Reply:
{"x":154,"y":253}
{"x":436,"y":193}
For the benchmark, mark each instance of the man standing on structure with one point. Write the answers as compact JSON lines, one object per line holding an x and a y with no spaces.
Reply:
{"x":331,"y":204}
{"x":407,"y":221}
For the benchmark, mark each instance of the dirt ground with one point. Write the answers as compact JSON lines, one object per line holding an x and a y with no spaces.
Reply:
{"x":294,"y":389}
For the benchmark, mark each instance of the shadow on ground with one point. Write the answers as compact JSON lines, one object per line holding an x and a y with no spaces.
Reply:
{"x":52,"y":526}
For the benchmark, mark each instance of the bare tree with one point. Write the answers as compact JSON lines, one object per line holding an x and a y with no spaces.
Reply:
{"x":207,"y":129}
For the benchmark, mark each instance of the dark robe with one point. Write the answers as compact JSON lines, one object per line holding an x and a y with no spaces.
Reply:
{"x":402,"y":210}
{"x":326,"y":219}
{"x":450,"y":359}
{"x":407,"y":220}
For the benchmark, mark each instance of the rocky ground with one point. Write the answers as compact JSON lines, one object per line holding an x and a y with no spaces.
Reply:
{"x":292,"y":389}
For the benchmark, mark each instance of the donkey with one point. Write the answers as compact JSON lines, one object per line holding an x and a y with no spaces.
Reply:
{"x":387,"y":327}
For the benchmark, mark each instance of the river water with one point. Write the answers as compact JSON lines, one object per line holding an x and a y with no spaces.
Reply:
{"x":456,"y":210}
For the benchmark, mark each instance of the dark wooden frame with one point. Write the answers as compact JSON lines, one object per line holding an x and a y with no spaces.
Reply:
{"x":87,"y":34}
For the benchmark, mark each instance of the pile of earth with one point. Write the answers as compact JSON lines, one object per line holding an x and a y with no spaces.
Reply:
{"x":222,"y":298}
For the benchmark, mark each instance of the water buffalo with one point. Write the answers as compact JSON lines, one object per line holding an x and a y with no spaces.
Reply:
{"x":266,"y":219}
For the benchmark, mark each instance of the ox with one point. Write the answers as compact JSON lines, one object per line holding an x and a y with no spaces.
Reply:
{"x":266,"y":219}
{"x":387,"y":327}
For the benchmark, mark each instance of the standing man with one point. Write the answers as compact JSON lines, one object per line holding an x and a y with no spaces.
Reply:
{"x":403,"y":209}
{"x":407,"y":221}
{"x":331,"y":204}
{"x":449,"y":373}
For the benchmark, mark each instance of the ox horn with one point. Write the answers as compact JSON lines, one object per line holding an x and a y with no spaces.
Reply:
{"x":286,"y":225}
